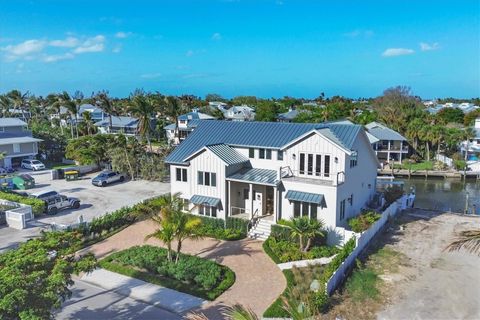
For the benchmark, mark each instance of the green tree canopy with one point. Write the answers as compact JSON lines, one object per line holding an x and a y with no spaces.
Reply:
{"x":34,"y":278}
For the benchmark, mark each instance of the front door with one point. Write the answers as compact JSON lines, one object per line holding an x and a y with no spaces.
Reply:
{"x":257,"y":203}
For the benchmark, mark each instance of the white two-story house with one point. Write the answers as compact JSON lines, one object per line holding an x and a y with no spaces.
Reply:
{"x":16,"y":142}
{"x":272,"y":170}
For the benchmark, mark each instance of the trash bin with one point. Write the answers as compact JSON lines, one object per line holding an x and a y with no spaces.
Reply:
{"x":71,"y":175}
{"x":23,"y":181}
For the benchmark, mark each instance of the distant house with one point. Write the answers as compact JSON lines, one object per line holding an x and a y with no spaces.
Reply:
{"x":389,"y":145}
{"x":23,"y":115}
{"x":96,"y":113}
{"x":466,"y":107}
{"x":288,"y":116}
{"x":472,"y":147}
{"x":222,"y":106}
{"x":186,"y":124}
{"x":122,"y":124}
{"x":240,"y":113}
{"x":16,"y":142}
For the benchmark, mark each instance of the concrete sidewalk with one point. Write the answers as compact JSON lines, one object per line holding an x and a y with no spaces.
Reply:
{"x":155,"y":295}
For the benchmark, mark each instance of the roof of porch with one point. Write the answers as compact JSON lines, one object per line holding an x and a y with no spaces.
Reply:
{"x":256,"y":176}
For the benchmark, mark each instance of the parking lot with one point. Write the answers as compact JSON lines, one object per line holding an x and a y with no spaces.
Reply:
{"x":95,"y":201}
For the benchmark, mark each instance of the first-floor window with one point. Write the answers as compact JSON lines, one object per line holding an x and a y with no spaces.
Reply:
{"x":305,"y":209}
{"x":342,"y":209}
{"x":208,"y":211}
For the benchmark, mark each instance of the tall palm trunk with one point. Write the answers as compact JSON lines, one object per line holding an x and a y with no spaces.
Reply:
{"x":179,"y":248}
{"x":427,"y":147}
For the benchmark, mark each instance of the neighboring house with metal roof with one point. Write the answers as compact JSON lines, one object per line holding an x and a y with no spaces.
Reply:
{"x":240,"y":113}
{"x":389,"y":145}
{"x":288,"y":116}
{"x":472,"y":146}
{"x":121,"y":124}
{"x":186,"y":124}
{"x":16,"y":142}
{"x":266,"y":171}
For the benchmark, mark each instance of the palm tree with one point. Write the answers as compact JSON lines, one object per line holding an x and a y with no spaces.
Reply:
{"x":143,"y":109}
{"x":18,"y":100}
{"x":426,"y":136}
{"x":104,"y":102}
{"x":72,"y":104}
{"x":166,"y":233}
{"x":413,"y":131}
{"x":186,"y":227}
{"x":239,"y":312}
{"x":87,"y":124}
{"x":173,"y":108}
{"x":305,"y":228}
{"x":468,"y":240}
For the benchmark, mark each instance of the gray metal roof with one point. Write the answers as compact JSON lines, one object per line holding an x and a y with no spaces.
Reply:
{"x":195,"y":115}
{"x":293,"y":195}
{"x":11,"y":122}
{"x":255,"y":175}
{"x":120,"y":121}
{"x":273,"y":135}
{"x":227,"y":154}
{"x":290,"y":115}
{"x":382,"y":132}
{"x":25,"y":139}
{"x":198,"y":199}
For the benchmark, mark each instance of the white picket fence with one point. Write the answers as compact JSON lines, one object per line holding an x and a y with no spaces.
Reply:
{"x":446,"y":160}
{"x":363,"y":239}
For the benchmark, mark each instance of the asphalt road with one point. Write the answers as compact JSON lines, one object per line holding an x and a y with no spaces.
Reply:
{"x":90,"y":302}
{"x":95,"y":201}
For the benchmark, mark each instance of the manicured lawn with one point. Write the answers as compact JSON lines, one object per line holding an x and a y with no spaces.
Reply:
{"x":193,"y":275}
{"x":424,"y":165}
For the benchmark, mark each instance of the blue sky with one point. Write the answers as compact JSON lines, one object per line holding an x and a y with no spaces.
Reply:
{"x":268,"y":48}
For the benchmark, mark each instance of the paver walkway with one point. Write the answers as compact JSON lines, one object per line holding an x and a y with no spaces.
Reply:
{"x":258,"y":279}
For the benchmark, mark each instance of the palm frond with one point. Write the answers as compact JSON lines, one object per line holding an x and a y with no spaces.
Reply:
{"x":468,"y":240}
{"x":239,"y":312}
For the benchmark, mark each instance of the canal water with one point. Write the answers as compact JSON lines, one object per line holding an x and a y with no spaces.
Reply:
{"x":445,"y":194}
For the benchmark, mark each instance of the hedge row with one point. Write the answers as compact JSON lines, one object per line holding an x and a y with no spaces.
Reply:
{"x":230,"y":229}
{"x":38,"y":206}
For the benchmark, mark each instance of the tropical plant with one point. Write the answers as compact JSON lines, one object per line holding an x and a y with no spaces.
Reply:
{"x":87,"y":126}
{"x":239,"y":312}
{"x":468,"y":240}
{"x":186,"y":226}
{"x":104,"y":102}
{"x":305,"y":228}
{"x":172,"y":108}
{"x":143,"y":109}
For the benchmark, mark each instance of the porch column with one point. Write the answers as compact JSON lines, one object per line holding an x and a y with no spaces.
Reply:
{"x":275,"y":204}
{"x":227,"y":202}
{"x":401,"y":150}
{"x":251,"y":200}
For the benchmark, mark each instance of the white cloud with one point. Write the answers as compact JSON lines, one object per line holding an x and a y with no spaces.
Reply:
{"x":25,"y":48}
{"x":58,"y":57}
{"x":216,"y":36}
{"x":429,"y":47}
{"x":122,"y":35}
{"x":68,"y":42}
{"x":94,"y":44}
{"x":393,"y":52}
{"x":150,"y":75}
{"x":117,"y":49}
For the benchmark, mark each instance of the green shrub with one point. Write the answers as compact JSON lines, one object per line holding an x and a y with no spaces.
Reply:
{"x":391,"y":194}
{"x":198,"y":276}
{"x":363,"y":221}
{"x":230,"y":229}
{"x":38,"y":206}
{"x":459,"y":164}
{"x":284,"y":251}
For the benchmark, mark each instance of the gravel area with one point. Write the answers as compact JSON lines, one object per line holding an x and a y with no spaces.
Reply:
{"x":433,"y":283}
{"x":95,"y":201}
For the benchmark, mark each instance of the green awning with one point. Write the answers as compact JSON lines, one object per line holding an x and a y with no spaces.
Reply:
{"x":293,"y":195}
{"x":198,"y":199}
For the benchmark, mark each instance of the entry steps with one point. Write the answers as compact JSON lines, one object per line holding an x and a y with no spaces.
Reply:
{"x":261,"y":230}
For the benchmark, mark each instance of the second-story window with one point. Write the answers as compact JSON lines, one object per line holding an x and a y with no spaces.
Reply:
{"x":207,"y":178}
{"x":280,"y":155}
{"x":268,"y":154}
{"x":181,"y":174}
{"x":326,"y":170}
{"x":353,"y":159}
{"x":251,"y":153}
{"x":261,"y":153}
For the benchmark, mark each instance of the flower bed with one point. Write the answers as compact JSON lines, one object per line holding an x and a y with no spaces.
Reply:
{"x":197,"y":276}
{"x":363,"y":221}
{"x":285,"y":251}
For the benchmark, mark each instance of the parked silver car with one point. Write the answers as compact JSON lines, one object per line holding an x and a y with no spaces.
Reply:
{"x":107,"y":177}
{"x":32,"y":164}
{"x":60,"y":202}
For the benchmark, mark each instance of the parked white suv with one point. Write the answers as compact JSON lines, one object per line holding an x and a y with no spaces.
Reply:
{"x":60,"y":202}
{"x":32,"y":164}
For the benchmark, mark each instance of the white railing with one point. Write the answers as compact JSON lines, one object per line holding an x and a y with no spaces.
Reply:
{"x":235,"y":211}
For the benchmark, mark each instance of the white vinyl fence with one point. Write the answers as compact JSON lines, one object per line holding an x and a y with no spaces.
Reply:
{"x":362,"y":240}
{"x":17,"y":217}
{"x":448,"y":161}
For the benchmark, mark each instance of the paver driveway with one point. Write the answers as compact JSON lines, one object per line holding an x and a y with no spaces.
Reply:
{"x":258,"y":280}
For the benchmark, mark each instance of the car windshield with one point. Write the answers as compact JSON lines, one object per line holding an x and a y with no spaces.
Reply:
{"x":103,"y":175}
{"x":36,"y":162}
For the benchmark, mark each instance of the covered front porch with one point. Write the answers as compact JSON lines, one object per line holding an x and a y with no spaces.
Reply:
{"x":253,"y":193}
